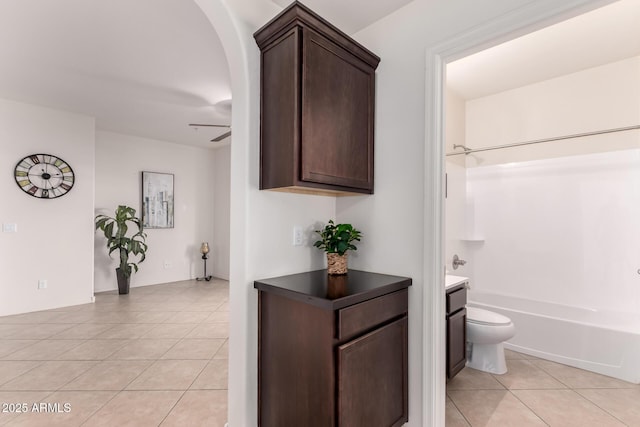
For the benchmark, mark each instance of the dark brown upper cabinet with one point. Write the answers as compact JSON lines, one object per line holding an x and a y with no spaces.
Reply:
{"x":317,"y":106}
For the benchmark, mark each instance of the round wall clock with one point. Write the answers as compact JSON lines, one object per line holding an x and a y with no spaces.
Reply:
{"x":44,"y":176}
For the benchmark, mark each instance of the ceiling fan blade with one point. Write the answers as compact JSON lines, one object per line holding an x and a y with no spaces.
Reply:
{"x":221,"y":137}
{"x":197,"y":125}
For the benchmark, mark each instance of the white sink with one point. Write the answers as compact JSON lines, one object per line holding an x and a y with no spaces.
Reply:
{"x":451,"y":281}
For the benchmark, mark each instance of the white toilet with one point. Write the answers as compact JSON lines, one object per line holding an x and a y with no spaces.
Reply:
{"x":486,"y":331}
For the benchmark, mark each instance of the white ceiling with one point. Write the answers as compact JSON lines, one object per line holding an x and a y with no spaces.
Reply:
{"x":140,"y":67}
{"x":604,"y":35}
{"x":351,"y":15}
{"x":151,"y":67}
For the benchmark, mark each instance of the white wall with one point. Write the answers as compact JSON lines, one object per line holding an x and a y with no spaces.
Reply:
{"x":550,"y":214}
{"x":219,"y":256}
{"x":563,"y":230}
{"x":595,"y":99}
{"x":119,"y":162}
{"x":393,"y":219}
{"x":54,"y":239}
{"x":457,"y":228}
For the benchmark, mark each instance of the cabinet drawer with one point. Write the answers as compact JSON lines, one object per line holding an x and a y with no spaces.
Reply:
{"x":456,"y":300}
{"x":363,"y":316}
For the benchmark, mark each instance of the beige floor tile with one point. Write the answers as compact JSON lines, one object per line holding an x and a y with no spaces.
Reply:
{"x":210,"y":330}
{"x":565,"y":408}
{"x":495,"y":408}
{"x":31,"y":318}
{"x":109,"y":375}
{"x":135,"y":409}
{"x":205,"y":306}
{"x":112,"y":317}
{"x":199,"y":408}
{"x":472,"y":379}
{"x":170,"y":330}
{"x":17,"y":401}
{"x":168,"y":375}
{"x":93,"y":350}
{"x":453,"y":417}
{"x":121,"y":341}
{"x":144,"y":349}
{"x":49,"y":376}
{"x":223,"y":307}
{"x":194,"y":349}
{"x":214,"y":376}
{"x":579,"y":378}
{"x":223,"y":352}
{"x":218,"y":316}
{"x":44,"y":350}
{"x":188,"y":317}
{"x":40,"y":331}
{"x":523,"y":374}
{"x":624,"y":404}
{"x":152,"y":316}
{"x":126,"y":331}
{"x":13,"y":369}
{"x":10,"y":346}
{"x":73,"y":317}
{"x":11,"y":329}
{"x":63,"y":409}
{"x":82,"y":331}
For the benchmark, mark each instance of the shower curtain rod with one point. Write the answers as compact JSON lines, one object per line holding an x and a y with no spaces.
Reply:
{"x":538,"y":141}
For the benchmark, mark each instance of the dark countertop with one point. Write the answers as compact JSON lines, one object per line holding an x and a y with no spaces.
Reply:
{"x":333,"y":292}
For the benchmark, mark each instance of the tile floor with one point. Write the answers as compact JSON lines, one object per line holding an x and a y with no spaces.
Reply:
{"x":155,"y":357}
{"x":538,"y":392}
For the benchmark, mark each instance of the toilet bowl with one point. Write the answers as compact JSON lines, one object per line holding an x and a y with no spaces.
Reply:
{"x":486,"y":331}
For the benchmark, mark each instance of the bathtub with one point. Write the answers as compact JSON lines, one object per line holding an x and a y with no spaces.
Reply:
{"x":599,"y":341}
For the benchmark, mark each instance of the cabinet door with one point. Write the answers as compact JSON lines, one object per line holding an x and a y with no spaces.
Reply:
{"x":337,"y":115}
{"x":456,"y":342}
{"x":372,"y":378}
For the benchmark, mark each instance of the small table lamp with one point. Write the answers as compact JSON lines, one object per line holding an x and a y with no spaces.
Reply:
{"x":204,"y":250}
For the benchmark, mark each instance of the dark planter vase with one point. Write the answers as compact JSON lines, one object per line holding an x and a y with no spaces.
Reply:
{"x":123,"y":282}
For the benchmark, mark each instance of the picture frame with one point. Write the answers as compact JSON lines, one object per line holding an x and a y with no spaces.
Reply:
{"x":157,"y":200}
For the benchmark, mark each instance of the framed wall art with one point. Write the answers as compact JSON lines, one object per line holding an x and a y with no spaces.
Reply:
{"x":157,"y":200}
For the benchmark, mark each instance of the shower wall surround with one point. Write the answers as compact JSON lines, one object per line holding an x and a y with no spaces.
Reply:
{"x":563,"y":230}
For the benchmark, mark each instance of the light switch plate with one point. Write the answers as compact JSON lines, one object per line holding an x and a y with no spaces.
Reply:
{"x":297,"y":236}
{"x":10,"y":228}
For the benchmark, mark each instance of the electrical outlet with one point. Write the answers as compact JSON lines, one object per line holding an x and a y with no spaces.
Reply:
{"x":297,"y":235}
{"x":42,"y":284}
{"x":167,"y":264}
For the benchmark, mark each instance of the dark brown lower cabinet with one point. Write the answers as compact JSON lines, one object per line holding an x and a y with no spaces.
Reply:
{"x":456,"y":331}
{"x":372,"y":372}
{"x":340,"y":362}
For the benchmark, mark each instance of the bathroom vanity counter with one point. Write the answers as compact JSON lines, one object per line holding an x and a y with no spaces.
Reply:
{"x":451,"y":282}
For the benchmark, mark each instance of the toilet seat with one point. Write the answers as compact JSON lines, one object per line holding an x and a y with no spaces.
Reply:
{"x":485,"y":317}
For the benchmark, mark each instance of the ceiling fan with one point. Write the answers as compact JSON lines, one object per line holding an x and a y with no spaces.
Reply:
{"x":218,"y":138}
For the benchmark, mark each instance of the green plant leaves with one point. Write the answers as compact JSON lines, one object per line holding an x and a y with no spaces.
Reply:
{"x":118,"y":241}
{"x":337,"y":238}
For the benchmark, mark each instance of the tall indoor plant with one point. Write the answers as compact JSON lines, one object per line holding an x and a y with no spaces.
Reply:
{"x":336,"y":240}
{"x":115,"y":230}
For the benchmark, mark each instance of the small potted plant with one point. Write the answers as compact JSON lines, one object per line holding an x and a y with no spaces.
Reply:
{"x":336,"y":240}
{"x":115,"y":230}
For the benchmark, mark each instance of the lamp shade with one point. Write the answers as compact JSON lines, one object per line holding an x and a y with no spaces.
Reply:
{"x":204,"y":249}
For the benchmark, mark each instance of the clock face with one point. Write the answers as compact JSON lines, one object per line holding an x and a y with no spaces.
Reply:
{"x":44,"y":176}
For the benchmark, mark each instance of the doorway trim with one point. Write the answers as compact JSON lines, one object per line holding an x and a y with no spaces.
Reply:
{"x":524,"y":20}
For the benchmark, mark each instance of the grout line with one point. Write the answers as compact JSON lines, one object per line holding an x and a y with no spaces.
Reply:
{"x":598,"y":406}
{"x":527,"y":406}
